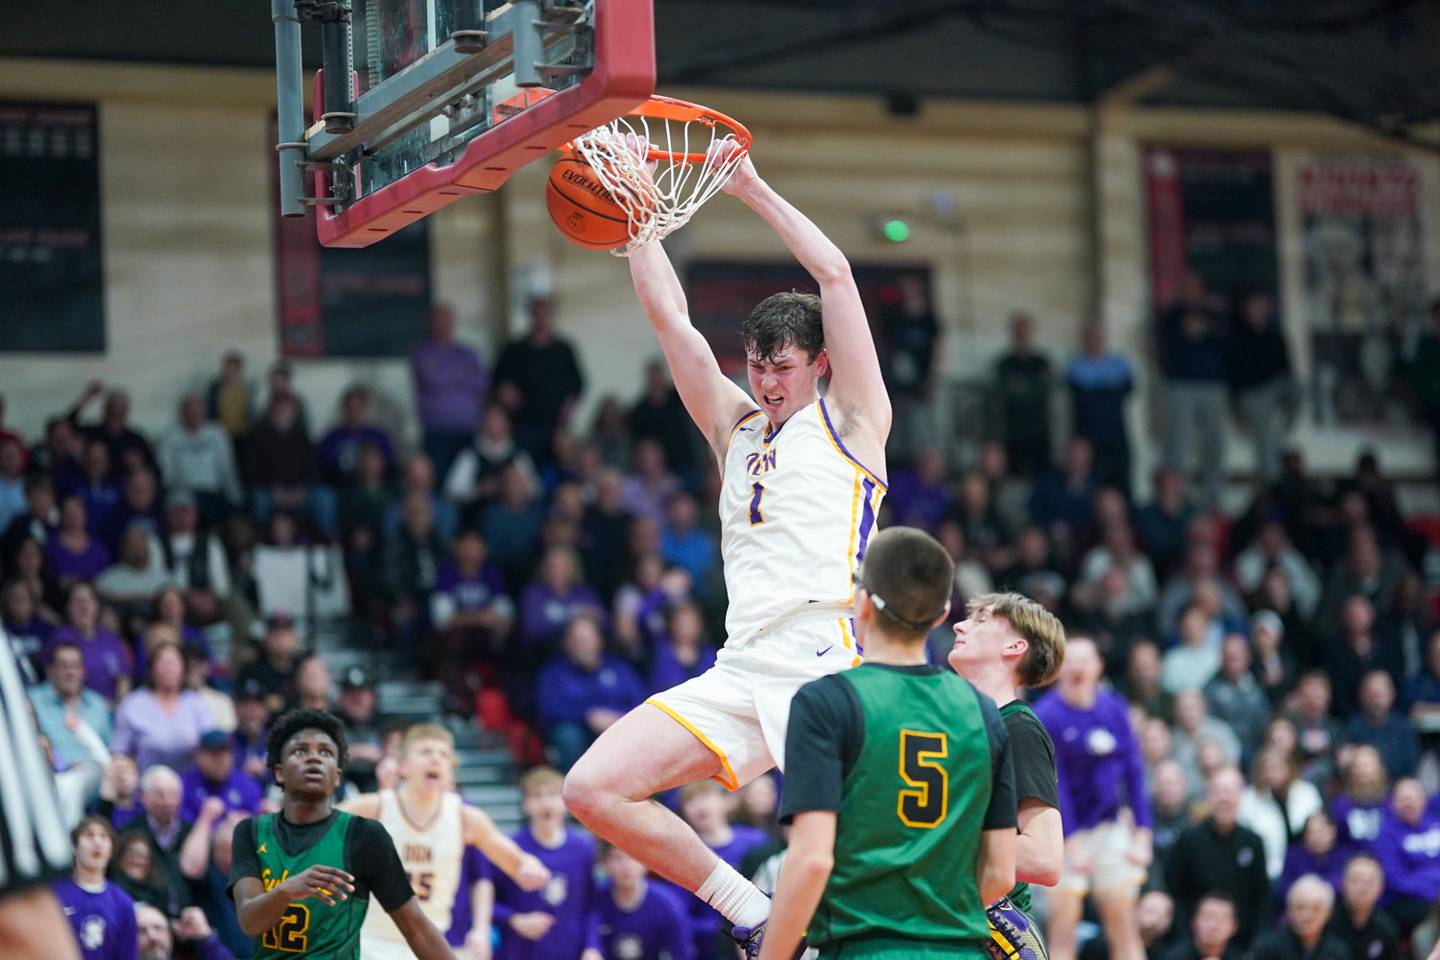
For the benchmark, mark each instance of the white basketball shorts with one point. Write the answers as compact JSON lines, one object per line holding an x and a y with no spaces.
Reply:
{"x":740,"y":708}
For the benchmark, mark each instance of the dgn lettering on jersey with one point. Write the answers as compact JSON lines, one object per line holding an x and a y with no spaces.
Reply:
{"x":759,"y":464}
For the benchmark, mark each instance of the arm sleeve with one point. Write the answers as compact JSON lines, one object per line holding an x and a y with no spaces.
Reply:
{"x":1001,"y":813}
{"x":243,"y":862}
{"x":1034,"y":758}
{"x":825,"y":728}
{"x":374,"y":861}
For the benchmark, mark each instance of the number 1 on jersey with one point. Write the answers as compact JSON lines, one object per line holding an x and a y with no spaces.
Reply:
{"x":756,"y":517}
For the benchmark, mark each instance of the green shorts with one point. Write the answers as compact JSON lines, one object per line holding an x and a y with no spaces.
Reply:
{"x":900,"y":949}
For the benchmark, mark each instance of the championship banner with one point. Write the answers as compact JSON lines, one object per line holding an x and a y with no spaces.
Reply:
{"x":1365,"y":283}
{"x":52,"y":276}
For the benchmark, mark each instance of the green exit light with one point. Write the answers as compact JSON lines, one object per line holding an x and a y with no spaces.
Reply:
{"x":896,"y":231}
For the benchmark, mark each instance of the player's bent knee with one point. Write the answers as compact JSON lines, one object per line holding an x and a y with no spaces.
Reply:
{"x":584,"y":792}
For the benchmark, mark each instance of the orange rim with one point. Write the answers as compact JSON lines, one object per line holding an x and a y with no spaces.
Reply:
{"x":683,"y":111}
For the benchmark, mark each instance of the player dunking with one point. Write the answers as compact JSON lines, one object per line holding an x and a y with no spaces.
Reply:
{"x":430,"y":827}
{"x":302,"y":878}
{"x":802,"y":478}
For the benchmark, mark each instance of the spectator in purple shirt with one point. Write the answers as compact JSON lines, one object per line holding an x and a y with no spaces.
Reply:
{"x":1318,"y":852}
{"x":555,"y":597}
{"x":640,"y":920}
{"x":1408,"y":849}
{"x":682,"y":652}
{"x":450,"y":386}
{"x":1101,"y":774}
{"x":215,"y":775}
{"x":650,"y":483}
{"x":557,"y":921}
{"x":1359,"y":808}
{"x":100,"y":491}
{"x":583,"y":691}
{"x":470,"y":609}
{"x":340,"y":448}
{"x":1378,"y":725}
{"x":101,"y":914}
{"x":27,"y":630}
{"x":74,"y":554}
{"x":107,"y":658}
{"x":162,"y":722}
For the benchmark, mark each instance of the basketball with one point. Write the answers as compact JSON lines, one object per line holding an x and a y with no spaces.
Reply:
{"x":582,"y":209}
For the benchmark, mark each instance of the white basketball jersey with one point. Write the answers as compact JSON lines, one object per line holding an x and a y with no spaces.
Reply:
{"x":431,"y":856}
{"x":795,"y":512}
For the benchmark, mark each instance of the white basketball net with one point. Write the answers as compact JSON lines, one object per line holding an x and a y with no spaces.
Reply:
{"x":659,"y":203}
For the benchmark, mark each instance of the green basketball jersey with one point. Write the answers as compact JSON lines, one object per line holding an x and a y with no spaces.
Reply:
{"x":912,"y":807}
{"x":1034,"y":769}
{"x":309,"y":927}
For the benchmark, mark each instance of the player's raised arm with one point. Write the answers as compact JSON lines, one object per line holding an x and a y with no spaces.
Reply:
{"x":857,"y":387}
{"x":525,"y":869}
{"x":713,"y":401}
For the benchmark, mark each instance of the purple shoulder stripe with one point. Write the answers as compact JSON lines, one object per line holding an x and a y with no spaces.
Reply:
{"x":840,"y":445}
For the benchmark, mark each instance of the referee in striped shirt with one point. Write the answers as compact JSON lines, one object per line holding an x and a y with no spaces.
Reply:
{"x":34,"y":846}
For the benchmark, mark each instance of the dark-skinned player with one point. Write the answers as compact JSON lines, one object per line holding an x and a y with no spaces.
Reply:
{"x":303,"y":878}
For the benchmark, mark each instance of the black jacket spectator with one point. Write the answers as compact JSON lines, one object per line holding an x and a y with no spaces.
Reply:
{"x":1219,"y":854}
{"x":1023,"y":384}
{"x":538,"y":379}
{"x":659,"y":415}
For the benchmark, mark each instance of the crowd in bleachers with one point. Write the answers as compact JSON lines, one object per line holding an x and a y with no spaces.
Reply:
{"x":552,"y":572}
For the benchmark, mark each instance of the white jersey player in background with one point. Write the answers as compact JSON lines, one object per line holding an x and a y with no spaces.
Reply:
{"x":431,"y":826}
{"x":802,"y":480}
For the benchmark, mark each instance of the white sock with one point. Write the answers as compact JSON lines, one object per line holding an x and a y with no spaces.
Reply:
{"x":737,"y":899}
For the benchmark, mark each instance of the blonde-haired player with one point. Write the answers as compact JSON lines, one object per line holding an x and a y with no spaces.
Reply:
{"x":431,"y":827}
{"x":802,"y":479}
{"x":1006,"y":643}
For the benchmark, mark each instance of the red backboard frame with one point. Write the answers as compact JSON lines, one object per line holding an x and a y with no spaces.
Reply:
{"x":623,"y":77}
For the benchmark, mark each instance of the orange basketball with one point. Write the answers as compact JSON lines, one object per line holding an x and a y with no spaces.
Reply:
{"x":583,"y":210}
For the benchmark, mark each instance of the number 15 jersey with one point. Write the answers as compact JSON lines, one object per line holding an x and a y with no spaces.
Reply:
{"x":796,"y":510}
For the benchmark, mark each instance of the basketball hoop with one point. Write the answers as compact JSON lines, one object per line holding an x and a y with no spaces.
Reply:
{"x":680,"y":136}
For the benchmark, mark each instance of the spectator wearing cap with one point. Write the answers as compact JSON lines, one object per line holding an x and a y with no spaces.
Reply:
{"x":450,"y":386}
{"x":340,"y":448}
{"x":62,"y":704}
{"x":274,"y":670}
{"x":194,"y":559}
{"x":1304,"y":937}
{"x":1408,"y":849}
{"x":356,"y":709}
{"x":198,"y":456}
{"x":162,"y":722}
{"x":583,"y":691}
{"x":1379,"y":726}
{"x":252,"y":731}
{"x":216,"y":775}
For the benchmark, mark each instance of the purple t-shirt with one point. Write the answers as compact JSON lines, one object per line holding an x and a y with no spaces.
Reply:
{"x":340,"y":448}
{"x":565,"y":692}
{"x":1299,"y":861}
{"x":450,"y":384}
{"x":106,"y":657}
{"x":239,"y":792}
{"x":103,"y":920}
{"x":569,"y":897}
{"x":86,"y":565}
{"x":145,"y":731}
{"x":667,"y":671}
{"x":1097,"y":760}
{"x":544,"y":612}
{"x":470,"y":591}
{"x":1410,"y":856}
{"x":656,"y":927}
{"x":1359,"y":823}
{"x":706,"y":923}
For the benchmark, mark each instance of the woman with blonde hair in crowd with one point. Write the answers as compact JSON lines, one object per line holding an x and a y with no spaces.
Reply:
{"x":1359,"y":808}
{"x":162,"y":722}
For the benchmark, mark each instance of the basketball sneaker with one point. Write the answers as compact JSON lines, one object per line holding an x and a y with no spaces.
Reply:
{"x":749,"y":938}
